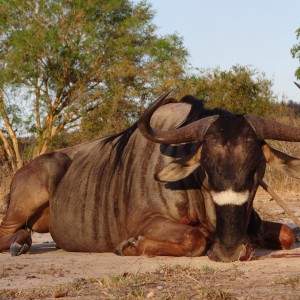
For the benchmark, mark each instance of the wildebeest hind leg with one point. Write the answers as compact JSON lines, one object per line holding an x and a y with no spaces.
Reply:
{"x":15,"y":228}
{"x":30,"y":191}
{"x":19,"y":242}
{"x":165,"y":238}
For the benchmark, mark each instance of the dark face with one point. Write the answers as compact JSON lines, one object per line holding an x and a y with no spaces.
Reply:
{"x":233,"y":161}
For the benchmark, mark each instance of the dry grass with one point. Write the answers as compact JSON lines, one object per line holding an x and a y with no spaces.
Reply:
{"x":276,"y":179}
{"x":169,"y":282}
{"x":179,"y":283}
{"x":290,"y":280}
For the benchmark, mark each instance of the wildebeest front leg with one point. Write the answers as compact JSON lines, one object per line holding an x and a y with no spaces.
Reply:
{"x":165,"y":237}
{"x":274,"y":236}
{"x":270,"y":235}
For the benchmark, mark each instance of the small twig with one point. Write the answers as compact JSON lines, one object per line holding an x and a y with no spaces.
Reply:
{"x":107,"y":294}
{"x":143,"y":283}
{"x":280,"y":202}
{"x":188,"y":276}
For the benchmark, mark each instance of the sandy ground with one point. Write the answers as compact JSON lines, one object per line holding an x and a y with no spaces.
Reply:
{"x":271,"y":275}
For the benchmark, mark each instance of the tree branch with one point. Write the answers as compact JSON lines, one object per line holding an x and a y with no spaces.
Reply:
{"x":7,"y":148}
{"x":280,"y":202}
{"x":17,"y":155}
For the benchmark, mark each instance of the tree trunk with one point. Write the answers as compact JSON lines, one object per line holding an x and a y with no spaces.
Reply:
{"x":12,"y":151}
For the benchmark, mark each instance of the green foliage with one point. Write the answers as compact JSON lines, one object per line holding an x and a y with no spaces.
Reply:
{"x":240,"y":90}
{"x":296,"y":52}
{"x":87,"y":60}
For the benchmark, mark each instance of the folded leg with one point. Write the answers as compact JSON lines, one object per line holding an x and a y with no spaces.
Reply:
{"x":164,"y":237}
{"x":30,"y":190}
{"x":270,"y":235}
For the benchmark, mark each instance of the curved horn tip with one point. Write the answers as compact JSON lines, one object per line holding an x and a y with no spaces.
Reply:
{"x":165,"y":94}
{"x":297,"y":84}
{"x":161,"y":100}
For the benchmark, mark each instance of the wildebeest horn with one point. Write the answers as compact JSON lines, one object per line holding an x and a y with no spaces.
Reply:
{"x":297,"y":84}
{"x":189,"y":133}
{"x":269,"y":129}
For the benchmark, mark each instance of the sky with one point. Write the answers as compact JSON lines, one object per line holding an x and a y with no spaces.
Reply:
{"x":256,"y":33}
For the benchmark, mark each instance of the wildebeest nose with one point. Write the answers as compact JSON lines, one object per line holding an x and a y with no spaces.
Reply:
{"x":242,"y":253}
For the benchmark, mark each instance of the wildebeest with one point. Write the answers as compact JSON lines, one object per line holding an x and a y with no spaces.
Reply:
{"x":179,"y":182}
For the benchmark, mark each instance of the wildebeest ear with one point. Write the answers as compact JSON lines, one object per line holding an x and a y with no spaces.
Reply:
{"x":180,"y":168}
{"x":281,"y":161}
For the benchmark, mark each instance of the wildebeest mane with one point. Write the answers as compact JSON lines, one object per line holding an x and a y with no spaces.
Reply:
{"x":198,"y":111}
{"x":120,"y":144}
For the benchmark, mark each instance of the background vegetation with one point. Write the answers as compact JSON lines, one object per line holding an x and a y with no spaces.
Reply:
{"x":72,"y":71}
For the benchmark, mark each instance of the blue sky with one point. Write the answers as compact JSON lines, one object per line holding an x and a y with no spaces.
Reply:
{"x":258,"y":33}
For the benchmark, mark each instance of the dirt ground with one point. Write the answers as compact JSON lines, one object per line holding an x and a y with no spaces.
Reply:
{"x":47,"y":272}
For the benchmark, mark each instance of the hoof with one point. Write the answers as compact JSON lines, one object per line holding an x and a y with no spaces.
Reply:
{"x":131,"y":242}
{"x":22,"y":243}
{"x":17,"y":249}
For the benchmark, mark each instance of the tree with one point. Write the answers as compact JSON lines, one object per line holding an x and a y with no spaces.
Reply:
{"x":240,"y":89}
{"x":163,"y":69}
{"x":71,"y":58}
{"x":296,"y":52}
